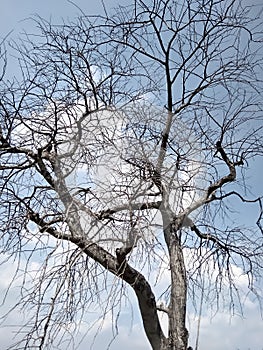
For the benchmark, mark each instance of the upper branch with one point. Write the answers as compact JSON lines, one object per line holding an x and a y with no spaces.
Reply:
{"x":210,"y":192}
{"x":232,"y":171}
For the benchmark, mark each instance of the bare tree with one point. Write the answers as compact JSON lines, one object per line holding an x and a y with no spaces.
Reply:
{"x":125,"y":145}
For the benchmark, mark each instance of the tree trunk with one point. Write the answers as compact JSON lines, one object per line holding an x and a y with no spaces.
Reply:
{"x":178,"y":334}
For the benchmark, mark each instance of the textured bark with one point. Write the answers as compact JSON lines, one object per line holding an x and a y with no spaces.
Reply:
{"x":178,"y":334}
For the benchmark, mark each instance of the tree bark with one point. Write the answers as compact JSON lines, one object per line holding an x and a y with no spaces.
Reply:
{"x":137,"y":281}
{"x":178,"y":334}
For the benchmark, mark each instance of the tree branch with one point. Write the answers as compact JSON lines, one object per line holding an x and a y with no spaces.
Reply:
{"x":120,"y":268}
{"x":106,"y":214}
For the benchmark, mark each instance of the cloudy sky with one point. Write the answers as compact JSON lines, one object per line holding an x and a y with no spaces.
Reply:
{"x":216,"y":333}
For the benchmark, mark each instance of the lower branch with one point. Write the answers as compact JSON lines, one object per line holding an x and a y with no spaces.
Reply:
{"x":120,"y":268}
{"x":137,"y":281}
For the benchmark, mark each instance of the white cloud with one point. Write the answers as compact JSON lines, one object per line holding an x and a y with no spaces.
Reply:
{"x":228,"y":333}
{"x":237,"y":325}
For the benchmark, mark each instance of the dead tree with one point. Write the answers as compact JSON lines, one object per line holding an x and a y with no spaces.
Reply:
{"x":125,"y":145}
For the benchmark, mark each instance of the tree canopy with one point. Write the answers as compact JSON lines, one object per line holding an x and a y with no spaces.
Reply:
{"x":126,"y":144}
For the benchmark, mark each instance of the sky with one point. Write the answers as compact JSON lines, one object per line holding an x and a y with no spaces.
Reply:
{"x":216,"y":333}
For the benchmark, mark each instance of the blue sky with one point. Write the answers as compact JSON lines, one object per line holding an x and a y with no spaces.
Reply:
{"x":219,"y":332}
{"x":15,"y":11}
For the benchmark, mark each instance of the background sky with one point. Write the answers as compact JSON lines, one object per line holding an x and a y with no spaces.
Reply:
{"x":218,"y":332}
